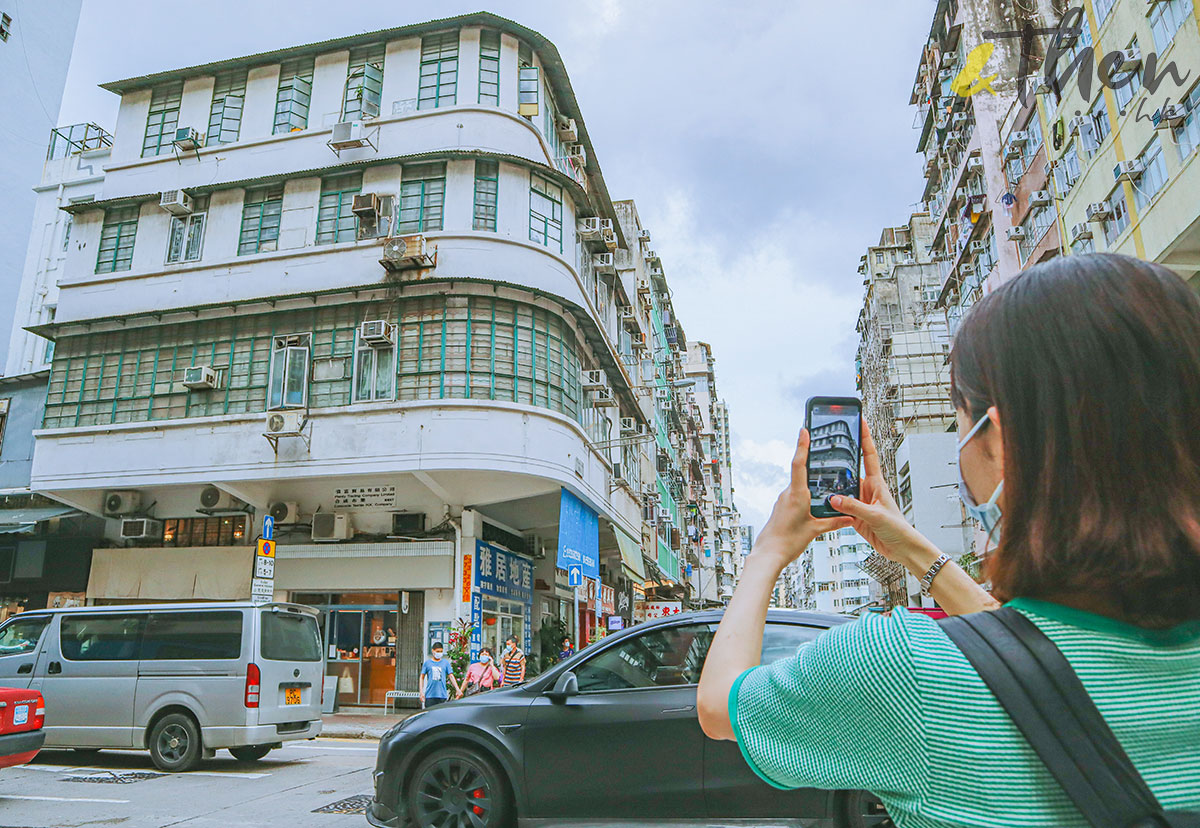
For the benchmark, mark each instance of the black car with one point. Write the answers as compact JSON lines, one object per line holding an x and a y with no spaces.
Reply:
{"x":609,"y":734}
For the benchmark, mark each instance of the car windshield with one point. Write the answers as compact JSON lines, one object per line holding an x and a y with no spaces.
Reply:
{"x":290,"y":636}
{"x":21,"y":635}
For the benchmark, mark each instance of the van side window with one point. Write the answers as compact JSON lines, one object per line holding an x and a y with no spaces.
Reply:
{"x":192,"y":635}
{"x":21,"y":635}
{"x":101,"y":637}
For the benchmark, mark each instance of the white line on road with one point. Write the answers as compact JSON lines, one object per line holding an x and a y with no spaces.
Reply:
{"x":64,"y":799}
{"x":83,"y":771}
{"x":327,"y":747}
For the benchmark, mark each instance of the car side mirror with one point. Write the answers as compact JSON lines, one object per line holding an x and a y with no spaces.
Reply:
{"x":565,"y":686}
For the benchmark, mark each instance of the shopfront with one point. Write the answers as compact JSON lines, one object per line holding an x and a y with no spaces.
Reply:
{"x":502,"y":604}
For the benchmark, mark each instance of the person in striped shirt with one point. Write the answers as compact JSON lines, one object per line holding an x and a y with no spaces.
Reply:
{"x":512,"y":662}
{"x":1077,"y":390}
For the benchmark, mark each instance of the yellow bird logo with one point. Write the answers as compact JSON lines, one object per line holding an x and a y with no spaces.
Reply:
{"x":969,"y":82}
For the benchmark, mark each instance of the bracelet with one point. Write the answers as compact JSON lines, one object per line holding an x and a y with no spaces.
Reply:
{"x":934,"y":569}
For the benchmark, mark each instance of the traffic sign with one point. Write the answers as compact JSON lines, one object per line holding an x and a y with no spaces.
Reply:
{"x":262,"y":589}
{"x":266,"y":548}
{"x":268,"y":531}
{"x":264,"y":567}
{"x":575,"y":576}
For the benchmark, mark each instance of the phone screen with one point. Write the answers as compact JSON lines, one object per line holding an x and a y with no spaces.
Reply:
{"x":833,"y":453}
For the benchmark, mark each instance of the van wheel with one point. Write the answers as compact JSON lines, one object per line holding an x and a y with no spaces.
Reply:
{"x":175,"y":743}
{"x":250,"y":753}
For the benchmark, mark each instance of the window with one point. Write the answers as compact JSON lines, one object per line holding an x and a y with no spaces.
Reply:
{"x":1129,"y":83}
{"x":1119,"y":220}
{"x":1066,"y":172}
{"x":101,"y":636}
{"x":545,"y":212}
{"x":1102,"y":8}
{"x":163,"y":119}
{"x":261,"y":211}
{"x":439,"y":70}
{"x":374,"y":372}
{"x":878,"y":257}
{"x":1099,"y":121}
{"x":67,"y":231}
{"x":229,"y":530}
{"x":289,"y":636}
{"x":4,"y":405}
{"x":528,"y":82}
{"x":905,"y":490}
{"x":1083,"y":246}
{"x":290,"y":358}
{"x":225,"y":115}
{"x":669,"y":657}
{"x":186,"y":238}
{"x":364,"y":83}
{"x":1187,"y":134}
{"x":192,"y":636}
{"x":422,"y":194}
{"x":294,"y":96}
{"x":1165,"y":19}
{"x":487,"y":182}
{"x":1153,"y":177}
{"x":21,"y":635}
{"x":489,"y":67}
{"x":335,"y":221}
{"x":116,"y":239}
{"x":48,"y":355}
{"x":5,"y":27}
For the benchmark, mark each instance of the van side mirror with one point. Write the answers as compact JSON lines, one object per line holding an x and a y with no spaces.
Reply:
{"x":565,"y":686}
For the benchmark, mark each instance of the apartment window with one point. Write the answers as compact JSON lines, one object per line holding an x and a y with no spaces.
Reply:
{"x":116,"y":239}
{"x":1083,"y":246}
{"x":545,"y":212}
{"x":1099,"y":119}
{"x":48,"y":354}
{"x":1187,"y":135}
{"x":294,"y":96}
{"x":1034,"y":129}
{"x":439,"y":70}
{"x":422,"y":195}
{"x":288,"y":384}
{"x":5,"y":27}
{"x":67,"y":231}
{"x":1165,"y":19}
{"x":186,"y":238}
{"x":905,"y":490}
{"x":1066,"y":172}
{"x":878,"y":257}
{"x":335,"y":221}
{"x":489,"y":67}
{"x":1129,"y":84}
{"x":204,"y":531}
{"x":374,"y":372}
{"x":364,"y":83}
{"x":1119,"y":220}
{"x":4,"y":404}
{"x":261,"y":212}
{"x":163,"y":119}
{"x":487,"y":182}
{"x":225,"y":116}
{"x":1102,"y":8}
{"x":1153,"y":177}
{"x":528,"y":82}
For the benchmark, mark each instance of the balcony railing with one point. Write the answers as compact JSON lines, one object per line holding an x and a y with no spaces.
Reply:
{"x":76,"y":139}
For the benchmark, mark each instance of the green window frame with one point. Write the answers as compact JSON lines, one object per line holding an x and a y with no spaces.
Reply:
{"x":487,"y":187}
{"x":489,"y":67}
{"x":374,"y":372}
{"x":528,"y":82}
{"x":294,"y":96}
{"x":163,"y":119}
{"x":364,"y":83}
{"x":185,"y":241}
{"x":439,"y":71}
{"x":225,"y":114}
{"x":291,"y":363}
{"x":335,"y":220}
{"x":545,"y":212}
{"x":422,"y":197}
{"x":116,"y":239}
{"x":262,"y":210}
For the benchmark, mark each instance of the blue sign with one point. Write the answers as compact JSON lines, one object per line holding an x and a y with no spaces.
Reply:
{"x":504,"y":574}
{"x":574,"y":576}
{"x":689,"y":570}
{"x":476,"y":625}
{"x":578,"y":536}
{"x":268,"y":527}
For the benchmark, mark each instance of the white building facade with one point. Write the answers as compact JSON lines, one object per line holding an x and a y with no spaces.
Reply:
{"x":831,"y":578}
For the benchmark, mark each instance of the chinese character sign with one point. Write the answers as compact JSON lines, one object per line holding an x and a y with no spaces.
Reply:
{"x":578,"y":536}
{"x":476,"y":625}
{"x":661,"y":609}
{"x":504,"y":574}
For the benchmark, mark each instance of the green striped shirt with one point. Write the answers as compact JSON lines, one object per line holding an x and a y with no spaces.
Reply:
{"x":890,"y":705}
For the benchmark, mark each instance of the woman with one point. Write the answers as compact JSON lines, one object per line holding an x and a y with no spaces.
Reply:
{"x":1077,"y":390}
{"x":482,"y":675}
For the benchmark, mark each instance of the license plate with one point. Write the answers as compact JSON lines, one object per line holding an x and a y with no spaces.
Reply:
{"x":291,"y":695}
{"x":20,"y":714}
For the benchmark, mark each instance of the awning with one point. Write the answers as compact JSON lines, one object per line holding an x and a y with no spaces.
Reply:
{"x":25,"y":521}
{"x":631,"y":555}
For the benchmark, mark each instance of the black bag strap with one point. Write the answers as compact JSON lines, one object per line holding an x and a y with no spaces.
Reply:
{"x":1035,"y":684}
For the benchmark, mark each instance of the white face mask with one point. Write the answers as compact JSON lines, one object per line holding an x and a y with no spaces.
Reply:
{"x":485,"y":658}
{"x":437,"y":656}
{"x":989,"y":513}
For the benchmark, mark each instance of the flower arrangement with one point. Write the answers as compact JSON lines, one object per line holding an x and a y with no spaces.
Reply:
{"x":459,"y":647}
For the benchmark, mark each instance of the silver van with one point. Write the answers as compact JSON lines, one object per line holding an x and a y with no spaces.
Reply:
{"x":181,"y":680}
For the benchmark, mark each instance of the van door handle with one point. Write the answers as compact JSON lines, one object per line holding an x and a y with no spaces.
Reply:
{"x":26,"y":668}
{"x":54,"y":667}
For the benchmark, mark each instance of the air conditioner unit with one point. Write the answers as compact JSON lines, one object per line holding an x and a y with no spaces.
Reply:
{"x":629,"y":425}
{"x":365,"y":204}
{"x":662,"y":392}
{"x":567,"y":132}
{"x":638,"y":339}
{"x":1129,"y":170}
{"x":619,"y":472}
{"x":960,"y":194}
{"x":592,"y":380}
{"x":603,"y":398}
{"x":979,"y":247}
{"x":186,"y":138}
{"x":948,"y":60}
{"x":1019,"y":138}
{"x":407,"y":252}
{"x":1015,"y":233}
{"x":966,"y":269}
{"x":1077,"y":124}
{"x":176,"y":202}
{"x":603,"y":263}
{"x":141,"y":529}
{"x":331,"y":526}
{"x":284,"y":512}
{"x":662,"y":515}
{"x":199,"y":377}
{"x":1098,"y":211}
{"x":122,"y":502}
{"x":644,"y":236}
{"x":608,"y":234}
{"x":958,"y":118}
{"x":1039,"y":198}
{"x":213,"y":498}
{"x":408,"y":523}
{"x":974,"y":163}
{"x":1131,"y":59}
{"x":1081,"y":231}
{"x":577,"y":152}
{"x":284,"y":423}
{"x":954,"y":136}
{"x":377,"y":333}
{"x":348,"y":135}
{"x":588,"y":229}
{"x":1011,"y":151}
{"x":1170,"y":116}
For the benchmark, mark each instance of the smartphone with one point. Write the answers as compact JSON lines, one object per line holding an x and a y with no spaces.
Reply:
{"x":835,"y":431}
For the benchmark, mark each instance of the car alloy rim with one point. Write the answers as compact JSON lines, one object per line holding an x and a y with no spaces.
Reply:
{"x":173,"y":742}
{"x":453,"y":794}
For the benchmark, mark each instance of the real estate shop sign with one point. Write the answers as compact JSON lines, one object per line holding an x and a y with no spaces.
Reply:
{"x":578,"y":537}
{"x":501,"y":574}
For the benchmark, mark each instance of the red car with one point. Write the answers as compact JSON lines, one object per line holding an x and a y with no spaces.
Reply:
{"x":22,"y":713}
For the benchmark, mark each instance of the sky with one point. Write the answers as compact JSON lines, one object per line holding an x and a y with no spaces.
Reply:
{"x":765,"y":143}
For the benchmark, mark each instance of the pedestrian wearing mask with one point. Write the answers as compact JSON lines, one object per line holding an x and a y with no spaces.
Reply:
{"x":482,"y":675}
{"x":567,"y":650}
{"x":1077,"y":392}
{"x":436,"y":672}
{"x":512,"y":662}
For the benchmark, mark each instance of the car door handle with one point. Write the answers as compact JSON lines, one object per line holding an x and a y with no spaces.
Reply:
{"x":54,"y":667}
{"x":25,"y":668}
{"x":685,"y":709}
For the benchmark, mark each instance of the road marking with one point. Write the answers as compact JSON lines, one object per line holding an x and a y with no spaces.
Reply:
{"x":64,"y":799}
{"x":331,"y":747}
{"x":239,"y":774}
{"x":85,"y":771}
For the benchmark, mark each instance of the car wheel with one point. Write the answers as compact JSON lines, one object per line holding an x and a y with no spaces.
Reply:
{"x":862,"y":809}
{"x":457,"y":788}
{"x":250,"y":753}
{"x":175,"y":743}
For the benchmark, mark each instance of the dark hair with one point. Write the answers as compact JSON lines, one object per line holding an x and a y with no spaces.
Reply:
{"x":511,"y":638}
{"x":487,"y":650}
{"x":1093,"y":362}
{"x":437,"y":645}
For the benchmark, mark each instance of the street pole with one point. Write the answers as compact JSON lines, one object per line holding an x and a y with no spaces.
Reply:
{"x":577,"y":647}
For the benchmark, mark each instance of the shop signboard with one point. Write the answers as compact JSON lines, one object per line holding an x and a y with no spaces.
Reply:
{"x":608,"y":599}
{"x":262,"y":581}
{"x":578,"y":538}
{"x":468,"y":576}
{"x":661,"y":609}
{"x":501,"y":574}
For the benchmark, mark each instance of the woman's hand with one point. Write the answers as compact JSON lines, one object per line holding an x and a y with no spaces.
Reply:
{"x":792,"y":526}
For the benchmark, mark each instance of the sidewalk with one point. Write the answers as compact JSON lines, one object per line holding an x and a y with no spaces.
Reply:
{"x":361,"y":725}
